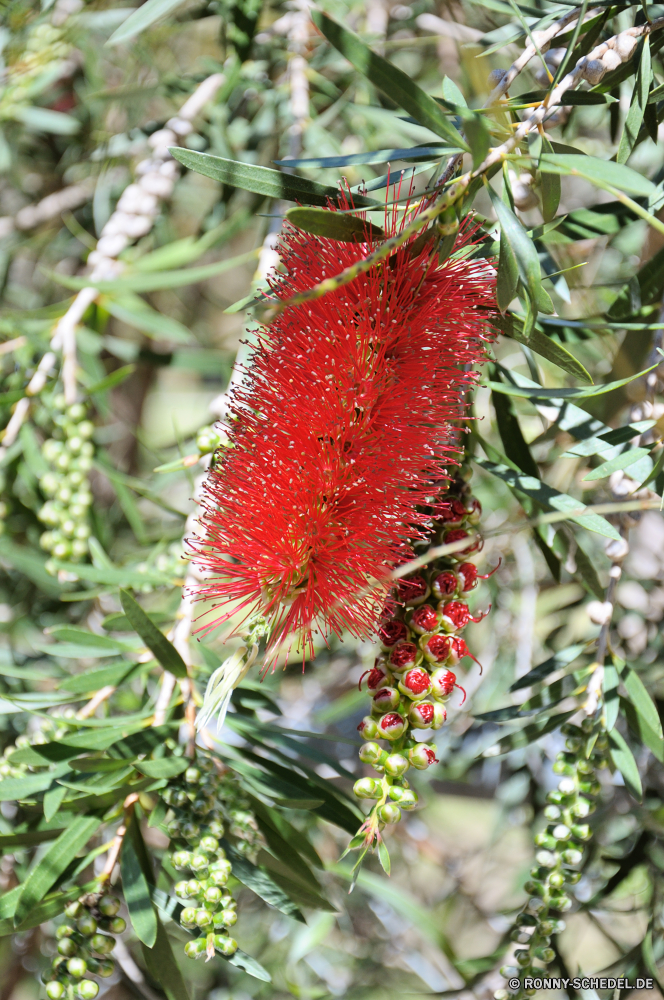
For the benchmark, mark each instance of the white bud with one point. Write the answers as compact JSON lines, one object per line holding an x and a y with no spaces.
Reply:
{"x":95,"y":258}
{"x":593,"y":70}
{"x":170,"y":168}
{"x":524,"y":196}
{"x":156,"y":184}
{"x":116,"y":224}
{"x":138,"y":225}
{"x":111,"y":246}
{"x":566,"y":785}
{"x":611,"y":60}
{"x":145,"y":166}
{"x":546,"y":858}
{"x":625,"y":45}
{"x":617,"y":549}
{"x":180,"y":126}
{"x":129,"y":199}
{"x":162,"y":139}
{"x":599,"y":612}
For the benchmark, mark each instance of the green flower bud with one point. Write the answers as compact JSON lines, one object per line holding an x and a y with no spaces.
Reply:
{"x":87,"y":989}
{"x":544,"y":954}
{"x":225,"y":944}
{"x":74,"y":909}
{"x":389,"y":813}
{"x":190,"y":830}
{"x":196,"y":948}
{"x":192,"y":776}
{"x":557,"y":880}
{"x":368,"y":728}
{"x":522,"y":956}
{"x":560,"y":832}
{"x":208,"y":845}
{"x":55,"y":991}
{"x":181,"y":859}
{"x":87,"y":925}
{"x":105,"y":968}
{"x":67,"y":947}
{"x":102,"y":944}
{"x":213,"y":894}
{"x":199,"y":862}
{"x":193,"y":887}
{"x":203,"y":918}
{"x":572,"y":856}
{"x":371,"y":753}
{"x":225,"y":919}
{"x":64,"y":930}
{"x":117,"y":925}
{"x":108,"y":906}
{"x":188,"y":917}
{"x":368,"y":788}
{"x":409,"y":799}
{"x":552,"y":812}
{"x":220,"y":872}
{"x":525,"y":920}
{"x":77,"y":967}
{"x":216,"y":828}
{"x":396,"y":764}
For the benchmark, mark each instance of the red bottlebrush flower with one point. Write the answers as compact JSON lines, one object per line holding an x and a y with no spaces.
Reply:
{"x":342,"y":424}
{"x":459,"y":649}
{"x":415,"y":683}
{"x":423,"y":619}
{"x":392,"y":632}
{"x":469,"y":575}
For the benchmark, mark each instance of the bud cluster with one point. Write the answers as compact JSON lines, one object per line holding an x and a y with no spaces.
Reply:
{"x":412,"y":678}
{"x":84,"y":948}
{"x":560,"y":852}
{"x":50,"y":728}
{"x":69,"y":457}
{"x":196,"y":827}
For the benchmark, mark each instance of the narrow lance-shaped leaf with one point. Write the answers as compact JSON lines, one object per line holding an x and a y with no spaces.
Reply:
{"x":164,"y":651}
{"x":142,"y":18}
{"x":524,"y":252}
{"x":163,"y":967}
{"x":334,"y":225}
{"x":637,"y":106}
{"x":136,"y":889}
{"x":52,"y":865}
{"x":623,"y":758}
{"x":393,"y":82}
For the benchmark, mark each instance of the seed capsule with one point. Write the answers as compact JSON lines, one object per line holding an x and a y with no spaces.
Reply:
{"x":396,"y":765}
{"x":368,"y":788}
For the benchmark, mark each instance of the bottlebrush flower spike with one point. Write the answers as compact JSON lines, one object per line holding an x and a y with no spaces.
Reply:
{"x":342,"y":424}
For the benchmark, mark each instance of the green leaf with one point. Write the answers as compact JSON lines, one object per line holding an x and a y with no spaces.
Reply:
{"x":52,"y":906}
{"x":46,"y":120}
{"x":110,"y":381}
{"x":622,"y":461}
{"x":162,"y":965}
{"x":532,"y":391}
{"x":98,"y":765}
{"x":163,"y":767}
{"x":298,"y":868}
{"x":334,"y":225}
{"x":135,"y":311}
{"x":28,"y":838}
{"x":637,"y":106}
{"x":18,"y":789}
{"x":117,"y":621}
{"x":136,"y":889}
{"x":142,"y":18}
{"x":587,"y":572}
{"x":164,"y":651}
{"x":644,"y":734}
{"x":31,"y":563}
{"x":258,"y":880}
{"x":524,"y":252}
{"x":523,"y":737}
{"x":296,"y":840}
{"x":623,"y":758}
{"x":641,"y":699}
{"x":294,"y":888}
{"x":599,"y":172}
{"x":549,"y":498}
{"x":508,"y":274}
{"x":53,"y":800}
{"x":426,"y":152}
{"x":384,"y":857}
{"x":263,"y":180}
{"x":249,"y":965}
{"x":389,"y":79}
{"x":96,"y":679}
{"x":513,"y":440}
{"x":52,"y":865}
{"x":154,"y":281}
{"x":610,"y":684}
{"x":542,"y":670}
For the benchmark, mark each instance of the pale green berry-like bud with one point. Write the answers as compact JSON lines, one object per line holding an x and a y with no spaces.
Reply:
{"x":546,"y":858}
{"x":55,"y":991}
{"x":225,"y":944}
{"x":192,"y":776}
{"x":190,"y":830}
{"x":87,"y":989}
{"x":213,"y":894}
{"x":181,"y":859}
{"x":396,"y":765}
{"x":557,"y":880}
{"x":199,"y":862}
{"x":102,"y":944}
{"x":370,"y":753}
{"x":203,"y":918}
{"x":409,"y":799}
{"x":188,"y":917}
{"x":67,"y":947}
{"x":117,"y":925}
{"x":193,"y":887}
{"x":87,"y":925}
{"x":181,"y":889}
{"x":552,"y":813}
{"x":105,"y":968}
{"x":368,"y":788}
{"x":194,"y":949}
{"x":74,"y":909}
{"x":220,"y":872}
{"x":522,"y":956}
{"x":226,"y":918}
{"x":389,"y":813}
{"x":561,"y":832}
{"x":64,"y":930}
{"x":509,"y":972}
{"x":582,"y":831}
{"x":208,"y":845}
{"x":77,"y":967}
{"x":216,"y":828}
{"x":572,"y":856}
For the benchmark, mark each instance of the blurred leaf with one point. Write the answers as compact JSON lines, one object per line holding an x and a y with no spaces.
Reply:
{"x":30,"y":562}
{"x":508,"y":274}
{"x":622,"y":461}
{"x":587,"y":572}
{"x":136,"y":889}
{"x":164,"y":767}
{"x":297,"y":840}
{"x":263,"y":180}
{"x":249,"y":965}
{"x":542,"y":670}
{"x":142,"y":18}
{"x":637,"y":106}
{"x":533,"y":391}
{"x":550,"y":183}
{"x":640,"y":698}
{"x":623,"y":758}
{"x":51,"y":907}
{"x":164,"y":651}
{"x":53,"y":800}
{"x":384,"y":857}
{"x":28,"y":838}
{"x":154,"y":281}
{"x":523,"y":737}
{"x":389,"y":79}
{"x":548,"y":497}
{"x":46,"y":120}
{"x":161,"y":963}
{"x":124,"y":576}
{"x":640,"y":728}
{"x":598,"y":172}
{"x":16,"y":789}
{"x":52,"y":865}
{"x":294,"y":887}
{"x":135,"y":311}
{"x":334,"y":225}
{"x":96,"y":679}
{"x":115,"y":378}
{"x":427,"y":151}
{"x":260,"y":882}
{"x":98,"y":764}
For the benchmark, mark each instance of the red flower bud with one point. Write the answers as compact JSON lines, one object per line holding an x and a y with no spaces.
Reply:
{"x":378,"y":677}
{"x":445,"y":584}
{"x":443,"y":682}
{"x":455,"y":615}
{"x":456,"y":535}
{"x":415,"y":683}
{"x":468,"y":574}
{"x":404,"y":655}
{"x":459,"y":650}
{"x":423,"y":619}
{"x":436,"y":648}
{"x":392,"y":726}
{"x":473,"y":510}
{"x":422,"y":756}
{"x":454,"y":513}
{"x":413,"y":590}
{"x":386,"y":699}
{"x":421,"y":715}
{"x":392,"y":632}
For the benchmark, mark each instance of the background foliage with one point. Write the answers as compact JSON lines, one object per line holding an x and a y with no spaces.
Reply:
{"x":87,"y":91}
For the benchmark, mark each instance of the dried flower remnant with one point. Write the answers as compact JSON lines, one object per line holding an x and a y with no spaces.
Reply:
{"x":343,"y":422}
